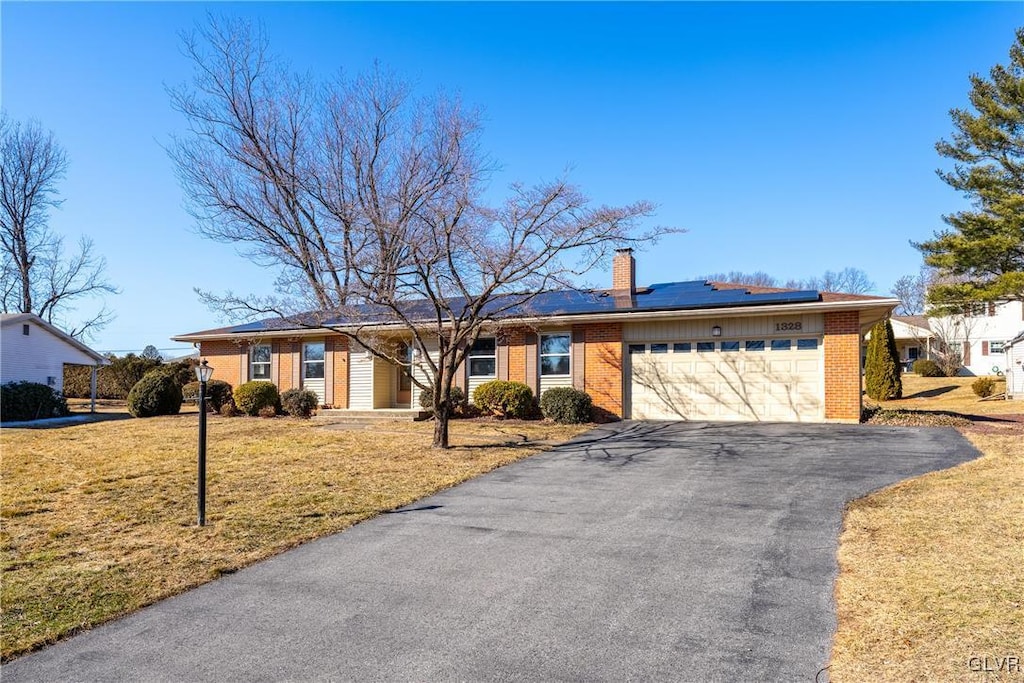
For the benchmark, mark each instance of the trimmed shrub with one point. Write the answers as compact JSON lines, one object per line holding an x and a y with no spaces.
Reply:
{"x":299,"y":402}
{"x":112,"y":381}
{"x":882,"y":369}
{"x":927,"y":368}
{"x":183,"y":372}
{"x":268,"y":411}
{"x":21,"y":401}
{"x":218,"y":392}
{"x":229,"y":409}
{"x":155,"y":394}
{"x":456,"y":395}
{"x":566,"y":405}
{"x":251,"y":397}
{"x":504,"y":399}
{"x":983,"y":387}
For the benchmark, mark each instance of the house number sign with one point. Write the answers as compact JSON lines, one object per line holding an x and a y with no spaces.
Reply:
{"x":790,"y":326}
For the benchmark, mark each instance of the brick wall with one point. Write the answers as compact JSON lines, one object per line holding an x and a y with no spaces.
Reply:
{"x":603,"y":366}
{"x":340,"y":398}
{"x":842,"y":366}
{"x":224,"y":358}
{"x":285,"y":361}
{"x":517,"y":355}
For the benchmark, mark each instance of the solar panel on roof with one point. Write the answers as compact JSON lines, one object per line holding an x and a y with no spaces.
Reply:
{"x":668,"y":296}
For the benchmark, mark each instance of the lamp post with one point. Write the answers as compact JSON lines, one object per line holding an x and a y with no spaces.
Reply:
{"x":203,"y":372}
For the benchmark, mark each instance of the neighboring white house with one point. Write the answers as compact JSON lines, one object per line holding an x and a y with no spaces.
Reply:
{"x":1015,"y":367}
{"x":982,"y":336}
{"x":32,"y":350}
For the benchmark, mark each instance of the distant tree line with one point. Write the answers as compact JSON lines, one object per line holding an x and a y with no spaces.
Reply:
{"x":848,"y":280}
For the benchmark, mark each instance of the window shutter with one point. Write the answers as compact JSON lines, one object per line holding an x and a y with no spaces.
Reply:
{"x":984,"y":348}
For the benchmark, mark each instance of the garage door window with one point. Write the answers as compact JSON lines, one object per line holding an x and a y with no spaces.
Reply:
{"x":754,"y":345}
{"x":659,"y":348}
{"x":731,"y":346}
{"x":781,"y":344}
{"x":636,"y":348}
{"x":705,"y":346}
{"x":807,"y":344}
{"x":682,"y":348}
{"x":554,"y":354}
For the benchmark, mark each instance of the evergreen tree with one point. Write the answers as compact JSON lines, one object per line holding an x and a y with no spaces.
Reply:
{"x":981,"y":254}
{"x":882,"y":370}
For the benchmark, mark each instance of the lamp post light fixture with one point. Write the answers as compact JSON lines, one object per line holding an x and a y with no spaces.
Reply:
{"x":204,"y":372}
{"x":716,"y":331}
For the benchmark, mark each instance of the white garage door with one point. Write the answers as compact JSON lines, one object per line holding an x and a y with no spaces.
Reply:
{"x":752,"y":379}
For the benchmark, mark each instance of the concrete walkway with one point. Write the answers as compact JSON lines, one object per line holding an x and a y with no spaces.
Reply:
{"x":658,"y":551}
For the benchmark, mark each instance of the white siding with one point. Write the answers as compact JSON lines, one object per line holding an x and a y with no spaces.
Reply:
{"x":383,"y":384}
{"x":756,"y":327}
{"x":1015,"y":371}
{"x":421,"y":371}
{"x":36,"y":357}
{"x":1001,"y":327}
{"x":360,"y":379}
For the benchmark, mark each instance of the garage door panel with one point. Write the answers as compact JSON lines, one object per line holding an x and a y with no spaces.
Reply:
{"x":760,"y":385}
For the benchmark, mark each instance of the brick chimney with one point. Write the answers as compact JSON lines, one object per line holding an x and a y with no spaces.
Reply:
{"x":624,"y":271}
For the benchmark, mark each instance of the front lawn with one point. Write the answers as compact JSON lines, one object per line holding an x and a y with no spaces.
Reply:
{"x":100,"y":519}
{"x":931,"y":583}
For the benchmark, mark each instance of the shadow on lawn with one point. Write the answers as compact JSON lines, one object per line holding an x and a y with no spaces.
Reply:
{"x":932,"y":393}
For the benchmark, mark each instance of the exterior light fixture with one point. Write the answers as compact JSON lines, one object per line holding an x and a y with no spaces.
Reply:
{"x":204,"y":372}
{"x":716,"y":331}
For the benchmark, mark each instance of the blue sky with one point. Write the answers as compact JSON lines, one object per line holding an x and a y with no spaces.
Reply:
{"x":790,"y":138}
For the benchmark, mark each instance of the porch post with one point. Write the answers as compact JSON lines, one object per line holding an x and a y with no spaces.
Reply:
{"x":92,"y":388}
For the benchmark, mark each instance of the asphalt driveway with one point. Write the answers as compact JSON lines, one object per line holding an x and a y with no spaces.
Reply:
{"x":644,"y":551}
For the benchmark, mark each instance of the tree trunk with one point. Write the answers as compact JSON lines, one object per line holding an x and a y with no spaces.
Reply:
{"x":442,"y":414}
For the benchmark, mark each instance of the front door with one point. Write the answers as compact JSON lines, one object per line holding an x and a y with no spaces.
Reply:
{"x":403,"y":395}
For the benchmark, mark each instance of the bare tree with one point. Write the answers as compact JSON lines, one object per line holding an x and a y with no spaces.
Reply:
{"x":368,"y":203}
{"x":952,"y":334}
{"x":757,"y":279}
{"x":36,"y":275}
{"x":912,"y":291}
{"x":847,"y":280}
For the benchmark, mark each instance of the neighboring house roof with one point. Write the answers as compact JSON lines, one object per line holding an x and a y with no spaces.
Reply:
{"x":1019,"y":339}
{"x":696,"y":295}
{"x":914,"y":321}
{"x":19,"y":318}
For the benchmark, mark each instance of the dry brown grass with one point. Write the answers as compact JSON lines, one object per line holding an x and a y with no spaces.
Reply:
{"x":932,"y":569}
{"x":951,"y":394}
{"x":100,"y":519}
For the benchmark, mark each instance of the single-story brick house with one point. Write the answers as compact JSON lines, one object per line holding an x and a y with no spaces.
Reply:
{"x":682,"y":350}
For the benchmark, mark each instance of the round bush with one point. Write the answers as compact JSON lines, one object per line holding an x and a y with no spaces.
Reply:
{"x":566,"y":405}
{"x":927,"y":368}
{"x":30,"y":401}
{"x":218,"y":392}
{"x":983,"y":387}
{"x":268,"y":411}
{"x":251,"y":397}
{"x":155,"y":394}
{"x":504,"y":399}
{"x":299,"y":402}
{"x":229,"y":410}
{"x":456,"y":395}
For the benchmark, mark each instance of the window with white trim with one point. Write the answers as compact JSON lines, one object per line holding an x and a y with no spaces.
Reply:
{"x":259,"y":362}
{"x":996,"y":347}
{"x":554,"y":354}
{"x":483,"y":358}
